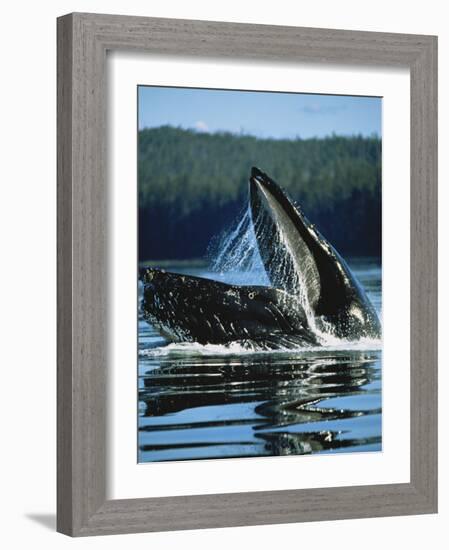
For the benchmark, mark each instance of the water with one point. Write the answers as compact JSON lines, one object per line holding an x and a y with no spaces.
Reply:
{"x":199,"y":402}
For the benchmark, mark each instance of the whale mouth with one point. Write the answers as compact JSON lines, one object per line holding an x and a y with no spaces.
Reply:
{"x":312,"y":290}
{"x":299,"y":260}
{"x":284,"y":239}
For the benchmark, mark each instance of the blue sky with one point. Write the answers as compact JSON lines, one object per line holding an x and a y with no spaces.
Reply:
{"x":263,"y":114}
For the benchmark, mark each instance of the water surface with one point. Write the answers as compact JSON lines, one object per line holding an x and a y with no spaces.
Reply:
{"x":199,"y":402}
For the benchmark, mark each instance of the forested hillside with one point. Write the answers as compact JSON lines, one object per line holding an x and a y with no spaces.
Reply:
{"x":192,"y":185}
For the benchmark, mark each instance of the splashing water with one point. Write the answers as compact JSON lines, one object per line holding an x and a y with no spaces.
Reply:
{"x":235,"y":251}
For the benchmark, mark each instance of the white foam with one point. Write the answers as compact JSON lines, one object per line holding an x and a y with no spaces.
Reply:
{"x":238,"y":348}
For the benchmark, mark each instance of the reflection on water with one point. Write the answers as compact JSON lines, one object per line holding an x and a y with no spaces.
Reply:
{"x":203,"y":402}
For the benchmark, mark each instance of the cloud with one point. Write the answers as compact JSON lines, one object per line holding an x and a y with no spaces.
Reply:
{"x":201,"y":126}
{"x":316,"y":109}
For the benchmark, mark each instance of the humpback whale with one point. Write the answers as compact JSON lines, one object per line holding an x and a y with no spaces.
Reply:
{"x":312,"y":292}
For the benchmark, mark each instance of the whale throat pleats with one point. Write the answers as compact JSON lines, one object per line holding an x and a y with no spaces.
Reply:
{"x":287,"y":258}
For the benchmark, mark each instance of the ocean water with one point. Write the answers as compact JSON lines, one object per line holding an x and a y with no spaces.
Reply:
{"x":209,"y":402}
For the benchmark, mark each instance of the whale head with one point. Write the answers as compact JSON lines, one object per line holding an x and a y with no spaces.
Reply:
{"x":194,"y":309}
{"x":299,"y":260}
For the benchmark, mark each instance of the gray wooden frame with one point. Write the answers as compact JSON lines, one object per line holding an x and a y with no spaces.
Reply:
{"x":83,"y":40}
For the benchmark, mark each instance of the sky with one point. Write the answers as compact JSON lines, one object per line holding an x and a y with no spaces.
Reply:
{"x":262,"y":114}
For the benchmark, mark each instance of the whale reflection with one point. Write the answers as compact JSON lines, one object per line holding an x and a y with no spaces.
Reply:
{"x":216,"y":406}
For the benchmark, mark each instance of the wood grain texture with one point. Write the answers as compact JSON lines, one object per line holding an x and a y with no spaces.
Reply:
{"x":64,"y":277}
{"x":83,"y":40}
{"x":423,"y":273}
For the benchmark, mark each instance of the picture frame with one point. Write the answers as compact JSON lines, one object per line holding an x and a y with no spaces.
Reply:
{"x":83,"y":41}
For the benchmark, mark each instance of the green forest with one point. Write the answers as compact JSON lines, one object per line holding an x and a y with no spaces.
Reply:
{"x":192,"y":185}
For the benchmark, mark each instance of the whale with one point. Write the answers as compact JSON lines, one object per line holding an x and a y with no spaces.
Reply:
{"x":312,"y":291}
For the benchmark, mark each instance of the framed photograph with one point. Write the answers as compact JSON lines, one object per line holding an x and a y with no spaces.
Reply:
{"x":247,"y":274}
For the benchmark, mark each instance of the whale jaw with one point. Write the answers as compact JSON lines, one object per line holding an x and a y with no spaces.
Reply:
{"x":194,"y":309}
{"x":300,"y":260}
{"x":282,"y":238}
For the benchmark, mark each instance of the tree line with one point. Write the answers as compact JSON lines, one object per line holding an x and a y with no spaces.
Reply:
{"x":194,"y":184}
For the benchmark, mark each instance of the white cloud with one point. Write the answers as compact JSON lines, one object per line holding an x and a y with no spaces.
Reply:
{"x":316,"y":109}
{"x":201,"y":126}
